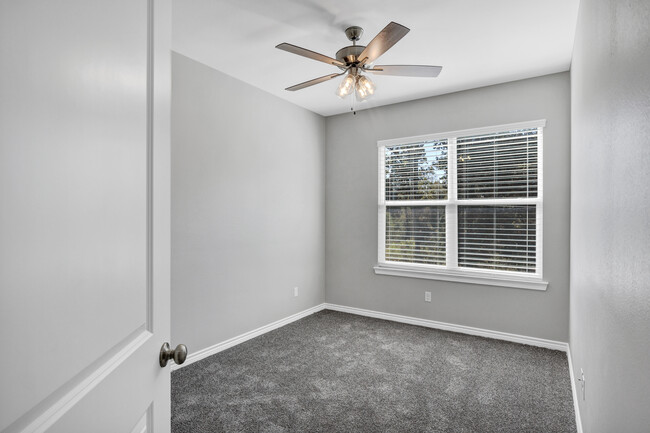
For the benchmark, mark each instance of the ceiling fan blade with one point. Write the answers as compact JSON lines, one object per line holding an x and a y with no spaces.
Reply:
{"x":309,"y":54}
{"x":389,"y":36}
{"x":406,"y":70}
{"x":312,"y":82}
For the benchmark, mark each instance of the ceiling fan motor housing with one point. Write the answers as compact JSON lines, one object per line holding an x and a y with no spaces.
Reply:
{"x":350,"y":55}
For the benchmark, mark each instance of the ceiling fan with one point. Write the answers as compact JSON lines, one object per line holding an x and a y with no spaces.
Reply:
{"x":355,"y":59}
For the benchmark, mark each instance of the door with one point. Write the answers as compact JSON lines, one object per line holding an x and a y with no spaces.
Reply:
{"x":84,"y":215}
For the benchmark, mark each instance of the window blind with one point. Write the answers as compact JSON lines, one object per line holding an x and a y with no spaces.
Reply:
{"x":416,"y":234}
{"x":499,"y":165}
{"x":466,"y":201}
{"x":497,"y":237}
{"x":416,"y":171}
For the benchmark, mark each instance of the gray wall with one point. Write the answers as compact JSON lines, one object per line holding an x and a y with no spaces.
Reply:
{"x":351,"y":209}
{"x":610,"y":227}
{"x":247,"y":206}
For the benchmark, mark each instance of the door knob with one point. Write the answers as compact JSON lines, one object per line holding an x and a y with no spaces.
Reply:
{"x":178,"y":355}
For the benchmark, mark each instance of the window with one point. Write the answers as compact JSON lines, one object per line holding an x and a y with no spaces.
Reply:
{"x":463,"y":206}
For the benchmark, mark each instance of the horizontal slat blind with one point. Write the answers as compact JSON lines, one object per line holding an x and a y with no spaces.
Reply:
{"x":497,"y":237}
{"x":416,"y":171}
{"x":416,"y":234}
{"x":469,"y":201}
{"x":498,"y":165}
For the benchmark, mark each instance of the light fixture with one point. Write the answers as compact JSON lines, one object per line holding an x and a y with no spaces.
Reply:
{"x":347,"y":86}
{"x":355,"y":82}
{"x":365,"y":87}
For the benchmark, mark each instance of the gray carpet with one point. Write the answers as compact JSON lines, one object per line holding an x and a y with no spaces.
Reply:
{"x":337,"y":372}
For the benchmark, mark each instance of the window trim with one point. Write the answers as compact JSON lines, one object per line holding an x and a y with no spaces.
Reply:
{"x":451,"y":271}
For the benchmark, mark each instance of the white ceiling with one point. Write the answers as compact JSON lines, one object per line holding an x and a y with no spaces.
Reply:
{"x":478,"y":42}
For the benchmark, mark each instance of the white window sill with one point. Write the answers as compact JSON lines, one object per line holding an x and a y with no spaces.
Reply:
{"x":529,"y":283}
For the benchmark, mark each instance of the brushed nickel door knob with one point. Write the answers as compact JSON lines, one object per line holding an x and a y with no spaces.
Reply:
{"x":178,"y":355}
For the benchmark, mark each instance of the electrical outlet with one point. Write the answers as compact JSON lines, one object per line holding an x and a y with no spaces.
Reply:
{"x":295,"y":291}
{"x":427,"y":296}
{"x":581,"y":379}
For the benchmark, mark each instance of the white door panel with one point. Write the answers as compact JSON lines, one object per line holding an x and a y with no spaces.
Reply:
{"x":84,"y":214}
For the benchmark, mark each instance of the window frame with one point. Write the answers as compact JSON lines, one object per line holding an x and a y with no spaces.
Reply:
{"x":450,"y":271}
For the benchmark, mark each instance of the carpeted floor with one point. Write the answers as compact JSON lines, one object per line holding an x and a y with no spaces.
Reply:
{"x":337,"y":372}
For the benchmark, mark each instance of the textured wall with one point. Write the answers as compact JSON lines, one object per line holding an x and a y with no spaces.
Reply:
{"x":247,"y":206}
{"x":610,"y":227}
{"x":351,"y":209}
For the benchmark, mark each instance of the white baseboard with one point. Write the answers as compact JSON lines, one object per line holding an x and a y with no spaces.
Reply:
{"x":204,"y":353}
{"x":515,"y":338}
{"x":498,"y":335}
{"x":574,"y":389}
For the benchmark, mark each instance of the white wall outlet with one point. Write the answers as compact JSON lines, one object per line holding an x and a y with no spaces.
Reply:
{"x":295,"y":291}
{"x":581,"y":379}
{"x":427,"y":296}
